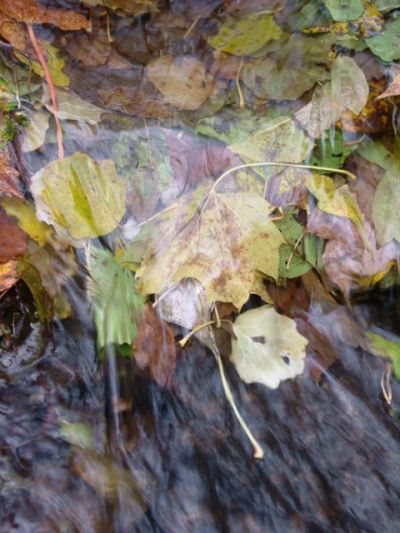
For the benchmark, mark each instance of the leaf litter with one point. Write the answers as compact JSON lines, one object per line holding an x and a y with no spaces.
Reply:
{"x":227,"y":173}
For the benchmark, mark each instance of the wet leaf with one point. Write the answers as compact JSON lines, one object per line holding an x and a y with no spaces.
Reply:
{"x":182,"y":80}
{"x":13,"y":241}
{"x":35,"y":132}
{"x":245,"y":35}
{"x":279,"y":140}
{"x":72,"y":107}
{"x":25,"y":214}
{"x":347,"y":89}
{"x":77,"y":433}
{"x":393,"y":89}
{"x":117,"y":307}
{"x":386,"y":347}
{"x":385,"y":207}
{"x":32,"y":12}
{"x":134,"y":7}
{"x":9,"y":184}
{"x":222,"y":241}
{"x":345,"y":9}
{"x":299,"y":64}
{"x":268,"y":348}
{"x":386,"y":45}
{"x":54,"y":61}
{"x":154,"y":347}
{"x":387,"y":5}
{"x":8,"y":275}
{"x":80,"y":197}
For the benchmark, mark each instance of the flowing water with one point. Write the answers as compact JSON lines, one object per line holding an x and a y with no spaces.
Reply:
{"x":95,"y":445}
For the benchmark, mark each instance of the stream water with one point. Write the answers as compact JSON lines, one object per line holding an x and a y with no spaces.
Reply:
{"x":91,"y":445}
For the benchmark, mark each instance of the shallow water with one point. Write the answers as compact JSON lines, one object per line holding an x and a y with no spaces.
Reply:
{"x":174,"y":458}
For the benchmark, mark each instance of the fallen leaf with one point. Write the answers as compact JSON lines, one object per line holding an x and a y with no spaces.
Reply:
{"x":134,"y":7}
{"x":154,"y":347}
{"x":298,"y":65}
{"x":268,"y":348}
{"x":393,"y":89}
{"x":25,"y":214}
{"x":182,"y":80}
{"x":347,"y":89}
{"x":35,"y":132}
{"x":8,"y":275}
{"x":245,"y":35}
{"x":80,"y":197}
{"x":386,"y":45}
{"x":279,"y":140}
{"x":77,"y":433}
{"x":116,"y":305}
{"x":387,"y":5}
{"x":134,"y":102}
{"x":221,"y":240}
{"x":32,"y":12}
{"x":13,"y":241}
{"x":347,"y":262}
{"x":343,"y":10}
{"x":387,"y":347}
{"x":385,"y":207}
{"x":72,"y":107}
{"x":13,"y":32}
{"x":9,"y":184}
{"x":55,"y":64}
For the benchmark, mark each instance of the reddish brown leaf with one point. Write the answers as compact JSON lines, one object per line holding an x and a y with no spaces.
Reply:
{"x":134,"y":102}
{"x":8,"y":275}
{"x":155,"y":348}
{"x":13,"y":241}
{"x":31,"y":12}
{"x":13,"y":32}
{"x":347,"y":261}
{"x":9,"y":185}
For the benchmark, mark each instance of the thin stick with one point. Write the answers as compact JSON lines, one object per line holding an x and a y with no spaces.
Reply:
{"x":52,"y":91}
{"x":238,"y":87}
{"x":258,"y":452}
{"x":191,"y":27}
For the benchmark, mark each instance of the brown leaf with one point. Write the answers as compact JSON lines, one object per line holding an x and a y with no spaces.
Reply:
{"x":13,"y":32}
{"x":13,"y":241}
{"x":182,"y":80}
{"x":392,"y":90}
{"x":9,"y":185}
{"x":155,"y":348}
{"x":133,"y":102}
{"x":347,"y":261}
{"x":8,"y":275}
{"x":31,"y":12}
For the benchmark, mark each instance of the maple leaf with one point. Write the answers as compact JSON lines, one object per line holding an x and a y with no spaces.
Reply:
{"x":222,"y":241}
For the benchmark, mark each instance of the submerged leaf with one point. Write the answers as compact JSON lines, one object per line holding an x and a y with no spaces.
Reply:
{"x":345,"y":9}
{"x":268,"y":348}
{"x":245,"y":35}
{"x":386,"y":207}
{"x":386,"y":45}
{"x":116,"y":305}
{"x":388,"y":348}
{"x":182,"y":80}
{"x":80,"y":197}
{"x":8,"y":275}
{"x":222,"y":242}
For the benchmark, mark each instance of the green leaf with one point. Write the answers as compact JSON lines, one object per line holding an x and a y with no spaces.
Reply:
{"x":116,"y":305}
{"x":54,"y":62}
{"x":386,"y":5}
{"x":330,"y":151}
{"x":267,"y":349}
{"x":384,"y":347}
{"x":376,"y":152}
{"x":246,"y":35}
{"x":295,"y":69}
{"x":77,"y":433}
{"x":80,"y":197}
{"x":386,"y":45}
{"x":343,"y":10}
{"x":27,"y":220}
{"x":386,"y":207}
{"x":291,"y":265}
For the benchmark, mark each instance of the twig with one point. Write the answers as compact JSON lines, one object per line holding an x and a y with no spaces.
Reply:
{"x":238,"y":87}
{"x":52,"y":91}
{"x":191,"y":27}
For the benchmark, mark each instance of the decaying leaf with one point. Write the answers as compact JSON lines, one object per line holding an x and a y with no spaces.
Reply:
{"x":386,"y":45}
{"x":279,"y":140}
{"x":245,"y":35}
{"x":80,"y":197}
{"x":8,"y":275}
{"x":182,"y":80}
{"x":386,"y":207}
{"x":35,"y":132}
{"x":134,"y":7}
{"x":154,"y":347}
{"x":116,"y":305}
{"x":268,"y":348}
{"x":25,"y":214}
{"x":32,"y":12}
{"x":393,"y":89}
{"x":55,"y":64}
{"x":385,"y":346}
{"x":13,"y":241}
{"x":221,"y":240}
{"x":298,"y":65}
{"x":9,"y":185}
{"x":347,"y":89}
{"x":72,"y":107}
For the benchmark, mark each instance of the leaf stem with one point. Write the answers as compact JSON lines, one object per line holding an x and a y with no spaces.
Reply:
{"x":52,"y":91}
{"x":182,"y":342}
{"x":258,"y":452}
